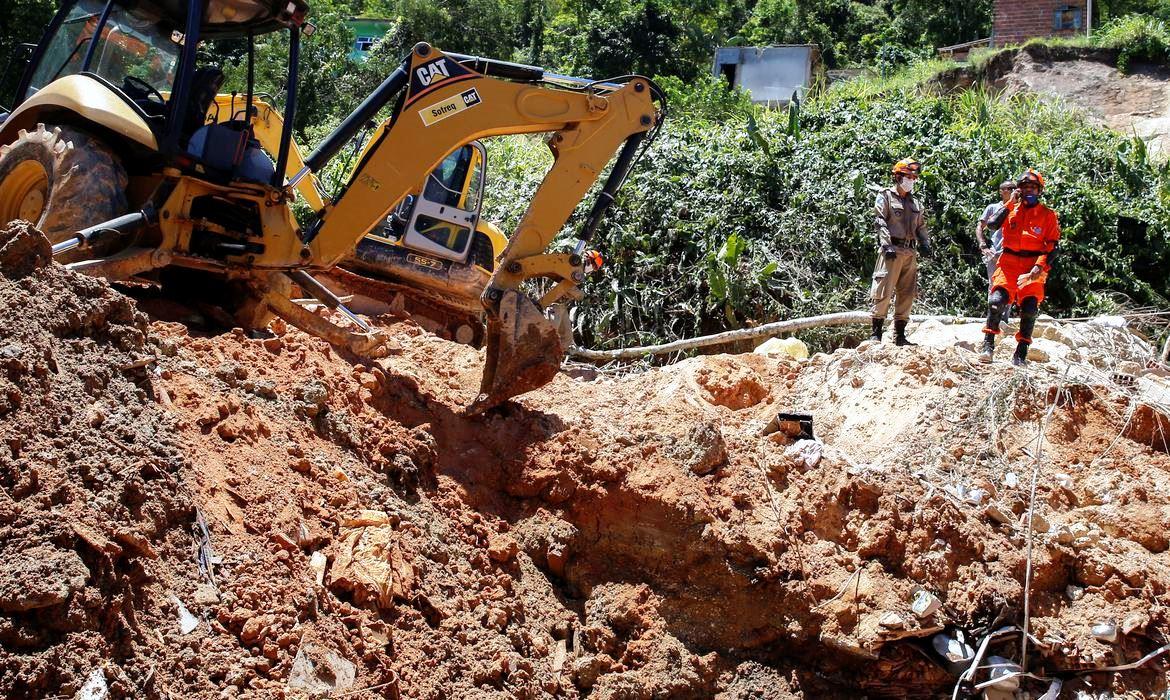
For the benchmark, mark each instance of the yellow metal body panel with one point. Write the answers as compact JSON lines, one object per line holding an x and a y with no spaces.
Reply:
{"x":87,"y":98}
{"x":588,"y":130}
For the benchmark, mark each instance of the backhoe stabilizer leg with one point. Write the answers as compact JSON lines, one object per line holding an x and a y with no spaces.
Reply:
{"x":524,"y":352}
{"x":372,"y":344}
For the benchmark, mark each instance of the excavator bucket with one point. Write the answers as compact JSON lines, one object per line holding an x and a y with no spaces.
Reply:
{"x":523,"y":352}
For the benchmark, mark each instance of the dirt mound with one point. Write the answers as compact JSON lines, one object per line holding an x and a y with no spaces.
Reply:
{"x":226,"y":516}
{"x":1133,"y":103}
{"x":92,"y":503}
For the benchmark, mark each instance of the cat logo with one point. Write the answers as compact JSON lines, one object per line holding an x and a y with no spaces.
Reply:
{"x":424,"y":261}
{"x":433,"y":72}
{"x":435,"y":75}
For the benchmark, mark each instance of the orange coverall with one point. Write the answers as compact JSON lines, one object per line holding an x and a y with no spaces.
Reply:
{"x":1029,"y":236}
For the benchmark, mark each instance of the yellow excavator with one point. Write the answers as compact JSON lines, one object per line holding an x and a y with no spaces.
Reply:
{"x":412,"y":263}
{"x":111,"y":152}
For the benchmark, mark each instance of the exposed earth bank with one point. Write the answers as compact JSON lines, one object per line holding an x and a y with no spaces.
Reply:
{"x":225,"y":516}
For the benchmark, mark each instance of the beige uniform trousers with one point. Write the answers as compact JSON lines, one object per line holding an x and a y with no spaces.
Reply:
{"x":895,"y":278}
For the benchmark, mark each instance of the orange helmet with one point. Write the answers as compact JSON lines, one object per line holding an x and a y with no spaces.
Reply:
{"x":907,"y":166}
{"x":1031,"y":176}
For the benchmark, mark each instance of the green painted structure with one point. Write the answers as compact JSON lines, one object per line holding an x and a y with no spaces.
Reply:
{"x":367,"y":32}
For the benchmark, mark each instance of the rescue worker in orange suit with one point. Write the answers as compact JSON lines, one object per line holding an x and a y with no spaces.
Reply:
{"x":901,"y":233}
{"x":1030,"y":234}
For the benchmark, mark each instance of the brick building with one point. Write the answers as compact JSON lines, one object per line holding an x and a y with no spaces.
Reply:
{"x":1016,"y":21}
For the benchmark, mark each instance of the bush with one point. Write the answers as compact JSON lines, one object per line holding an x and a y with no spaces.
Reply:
{"x":739,"y":216}
{"x":1136,"y":38}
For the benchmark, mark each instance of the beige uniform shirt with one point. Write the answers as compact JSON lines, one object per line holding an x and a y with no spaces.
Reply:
{"x":899,"y":218}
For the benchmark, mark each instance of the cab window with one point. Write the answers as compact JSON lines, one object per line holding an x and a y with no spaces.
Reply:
{"x":133,"y":44}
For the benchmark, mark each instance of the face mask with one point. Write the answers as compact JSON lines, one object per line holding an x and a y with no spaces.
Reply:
{"x":907,"y":186}
{"x":1031,"y":200}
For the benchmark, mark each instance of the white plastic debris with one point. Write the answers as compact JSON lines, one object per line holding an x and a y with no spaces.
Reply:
{"x":953,"y":647}
{"x":95,"y":687}
{"x":1105,"y":631}
{"x":1074,"y":593}
{"x":1004,"y":672}
{"x":187,"y":621}
{"x":807,"y":452}
{"x":925,"y":603}
{"x":790,"y":347}
{"x":1010,"y":480}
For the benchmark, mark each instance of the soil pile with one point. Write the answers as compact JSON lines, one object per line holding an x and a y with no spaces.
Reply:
{"x":1135,"y":103}
{"x":228,"y":516}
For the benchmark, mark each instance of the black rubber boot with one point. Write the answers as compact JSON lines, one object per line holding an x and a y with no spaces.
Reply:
{"x":988,"y":348}
{"x":900,"y":334}
{"x":1020,"y":358}
{"x":877,"y":328}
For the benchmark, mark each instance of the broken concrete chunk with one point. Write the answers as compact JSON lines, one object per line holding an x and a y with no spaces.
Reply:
{"x":1133,"y":622}
{"x":1039,"y":522}
{"x":703,"y":450}
{"x":998,"y":513}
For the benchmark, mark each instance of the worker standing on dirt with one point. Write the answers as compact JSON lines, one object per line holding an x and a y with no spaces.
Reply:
{"x":1030,"y":234}
{"x":901,"y":232}
{"x":992,"y":246}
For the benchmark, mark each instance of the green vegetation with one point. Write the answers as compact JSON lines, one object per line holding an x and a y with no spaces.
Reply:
{"x":741,"y":216}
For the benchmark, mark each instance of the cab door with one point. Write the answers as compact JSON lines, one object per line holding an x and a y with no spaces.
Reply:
{"x":445,"y":214}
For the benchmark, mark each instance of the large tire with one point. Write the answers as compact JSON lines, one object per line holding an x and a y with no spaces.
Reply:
{"x":62,"y":179}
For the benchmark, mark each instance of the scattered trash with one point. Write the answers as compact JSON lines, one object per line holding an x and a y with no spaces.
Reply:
{"x":807,"y":452}
{"x":925,"y":603}
{"x":1105,"y":632}
{"x":1074,"y":593}
{"x":95,"y":687}
{"x":329,"y":673}
{"x":953,"y":647}
{"x":205,"y":555}
{"x":1010,"y":480}
{"x":798,"y":426}
{"x":187,"y":621}
{"x":1004,"y":672}
{"x":892,"y":621}
{"x":792,"y":347}
{"x":975,"y":496}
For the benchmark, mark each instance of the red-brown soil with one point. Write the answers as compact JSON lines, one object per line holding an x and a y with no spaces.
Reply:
{"x":636,"y":535}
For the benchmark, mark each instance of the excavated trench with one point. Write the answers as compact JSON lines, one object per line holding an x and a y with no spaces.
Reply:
{"x":217,"y":516}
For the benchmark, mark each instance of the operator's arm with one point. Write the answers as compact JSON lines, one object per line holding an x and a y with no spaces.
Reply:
{"x":922,"y":232}
{"x":882,"y":212}
{"x":1051,"y":239}
{"x":980,"y":227}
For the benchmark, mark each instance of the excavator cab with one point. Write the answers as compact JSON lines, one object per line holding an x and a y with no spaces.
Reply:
{"x":441,"y":220}
{"x":131,"y":70}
